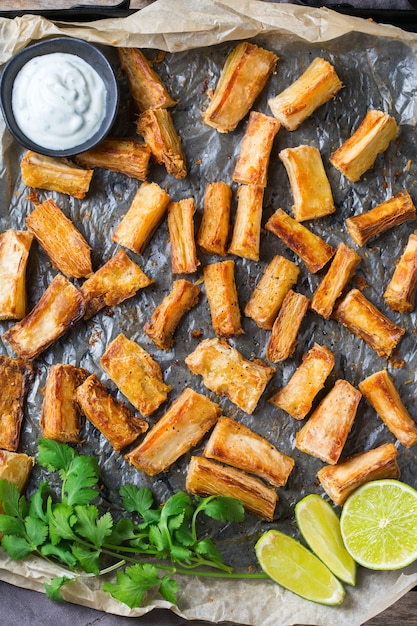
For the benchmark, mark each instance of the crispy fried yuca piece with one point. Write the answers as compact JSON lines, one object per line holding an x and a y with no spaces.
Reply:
{"x":359,"y":152}
{"x":147,"y":89}
{"x":392,"y":212}
{"x":186,"y":421}
{"x":296,"y":398}
{"x":317,"y":85}
{"x":55,"y":174}
{"x":60,"y":416}
{"x":214,"y":228}
{"x":222,"y":296}
{"x":147,"y":209}
{"x":341,"y":270}
{"x":364,"y":320}
{"x":136,"y":374}
{"x":283,"y":339}
{"x":15,"y":467}
{"x":247,"y":227}
{"x":209,"y":478}
{"x":309,"y":183}
{"x":61,"y":240}
{"x":166,"y":317}
{"x":226,"y":372}
{"x":266,"y":300}
{"x":126,"y":155}
{"x":58,"y":309}
{"x":157,"y":128}
{"x":326,"y":431}
{"x":110,"y":416}
{"x":401,"y":290}
{"x":252,"y":164}
{"x":244,"y":75}
{"x":339,"y":480}
{"x":16,"y":376}
{"x":313,"y":250}
{"x":381,"y":393}
{"x":235,"y":444}
{"x":181,"y":232}
{"x":14,"y":252}
{"x":115,"y":281}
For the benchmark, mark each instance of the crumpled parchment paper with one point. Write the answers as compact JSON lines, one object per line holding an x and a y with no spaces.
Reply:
{"x":378,"y":66}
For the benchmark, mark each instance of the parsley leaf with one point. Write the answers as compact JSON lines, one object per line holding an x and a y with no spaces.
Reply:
{"x":92,"y":527}
{"x":133,"y":583}
{"x":53,"y":589}
{"x":54,"y":456}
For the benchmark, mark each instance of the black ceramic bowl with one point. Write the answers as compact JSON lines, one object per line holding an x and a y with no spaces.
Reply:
{"x":86,"y":51}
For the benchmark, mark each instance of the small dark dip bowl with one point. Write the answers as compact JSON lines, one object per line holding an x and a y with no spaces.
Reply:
{"x":90,"y":54}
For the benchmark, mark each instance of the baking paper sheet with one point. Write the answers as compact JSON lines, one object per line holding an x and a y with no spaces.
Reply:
{"x":378,"y":66}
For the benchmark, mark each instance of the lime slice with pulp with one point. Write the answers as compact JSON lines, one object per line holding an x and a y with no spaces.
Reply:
{"x":294,"y":567}
{"x":320,"y":527}
{"x":379,"y":524}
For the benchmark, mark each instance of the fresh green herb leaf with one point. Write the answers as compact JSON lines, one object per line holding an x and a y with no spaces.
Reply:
{"x":10,"y":525}
{"x":169,"y":589}
{"x":62,"y":552}
{"x":139,"y":501}
{"x":158,"y":538}
{"x":53,"y":589}
{"x":223,"y":508}
{"x":37,"y":502}
{"x":81,"y":474}
{"x":61,"y":520}
{"x":123,"y":530}
{"x":133,"y":583}
{"x":92,"y":527}
{"x":180,"y":555}
{"x":17,"y":548}
{"x":88,"y":560}
{"x":54,"y":456}
{"x":208,"y":549}
{"x":36,"y":531}
{"x":12,"y":502}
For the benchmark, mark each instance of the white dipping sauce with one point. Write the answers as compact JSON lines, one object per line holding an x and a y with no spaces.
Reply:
{"x":58,"y":100}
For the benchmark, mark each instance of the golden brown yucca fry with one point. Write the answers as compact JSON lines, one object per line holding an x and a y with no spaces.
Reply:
{"x":252,"y":163}
{"x":185,"y":422}
{"x":316,"y":86}
{"x":157,"y":128}
{"x":311,"y":249}
{"x":340,"y":480}
{"x":110,"y":416}
{"x":181,"y":232}
{"x":60,"y":416}
{"x":166,"y":317}
{"x":135,"y":373}
{"x":126,"y":155}
{"x":364,"y":320}
{"x":214,"y":228}
{"x":115,"y":281}
{"x":226,"y":372}
{"x":210,"y":478}
{"x":401,"y":290}
{"x":16,"y":375}
{"x":244,"y":75}
{"x":358,"y":153}
{"x":392,"y":212}
{"x":15,"y":467}
{"x":283,"y":339}
{"x":310,"y":186}
{"x":55,"y":174}
{"x":58,"y":309}
{"x":146,"y":211}
{"x":246,"y":234}
{"x":383,"y":396}
{"x":296,"y":398}
{"x":146,"y":86}
{"x":237,"y":445}
{"x":325,"y":432}
{"x":267,"y":298}
{"x":61,"y":240}
{"x":341,"y":270}
{"x":14,"y":253}
{"x":222,"y":296}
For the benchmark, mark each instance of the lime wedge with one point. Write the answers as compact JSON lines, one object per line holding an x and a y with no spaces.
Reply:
{"x":294,"y":567}
{"x":320,"y":527}
{"x":379,"y":524}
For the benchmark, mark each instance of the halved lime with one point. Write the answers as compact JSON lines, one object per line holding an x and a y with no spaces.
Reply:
{"x":320,"y":527}
{"x":294,"y":567}
{"x":379,"y":524}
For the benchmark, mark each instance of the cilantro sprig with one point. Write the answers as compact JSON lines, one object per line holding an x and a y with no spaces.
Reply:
{"x":148,"y":546}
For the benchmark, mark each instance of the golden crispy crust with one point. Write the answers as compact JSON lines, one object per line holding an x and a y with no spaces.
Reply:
{"x":252,"y":163}
{"x":246,"y":234}
{"x":166,"y":317}
{"x":126,"y":155}
{"x":14,"y":253}
{"x":235,"y":444}
{"x":222,"y":296}
{"x":401,"y":290}
{"x":283,"y":339}
{"x":110,"y":416}
{"x":186,"y":421}
{"x":16,"y":376}
{"x":55,"y":174}
{"x":364,"y":320}
{"x":136,"y":374}
{"x":181,"y":232}
{"x":58,"y":309}
{"x":206,"y":478}
{"x":309,"y":247}
{"x":214,"y":228}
